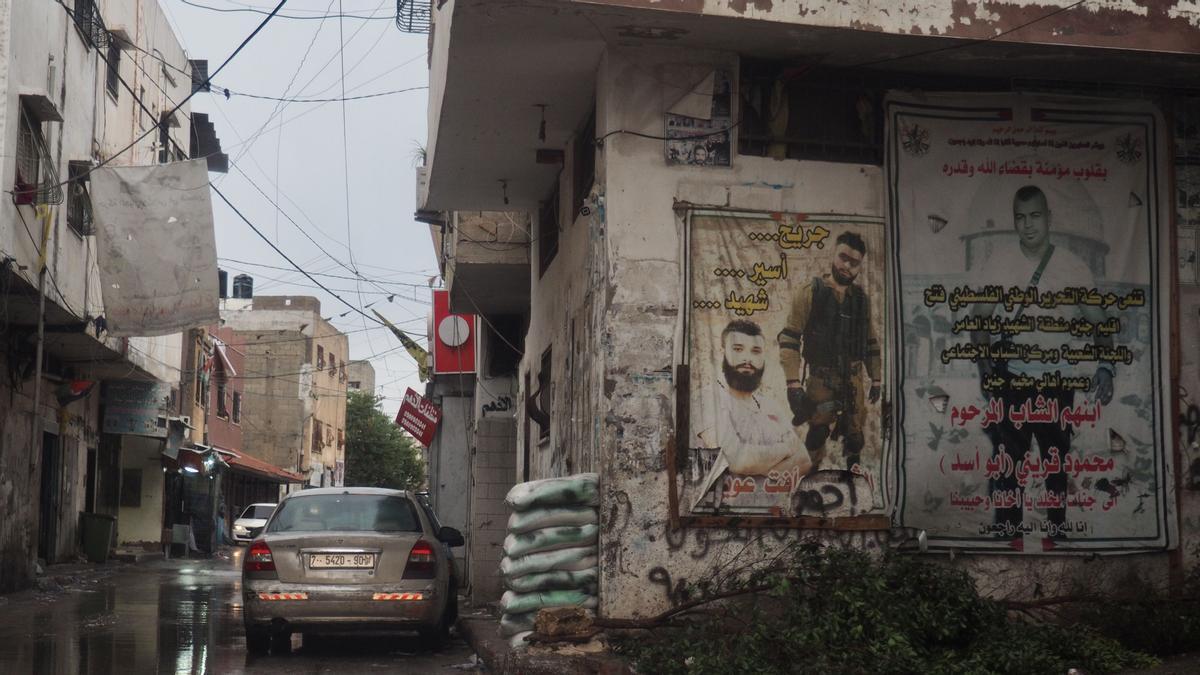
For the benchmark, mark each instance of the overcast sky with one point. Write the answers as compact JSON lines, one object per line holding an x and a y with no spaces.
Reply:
{"x":296,"y":152}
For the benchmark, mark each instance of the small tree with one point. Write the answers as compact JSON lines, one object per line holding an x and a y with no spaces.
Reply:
{"x":378,"y":453}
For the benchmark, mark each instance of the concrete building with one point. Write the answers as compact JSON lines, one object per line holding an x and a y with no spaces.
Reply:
{"x":593,"y":272}
{"x":295,"y":385}
{"x":360,"y":376}
{"x":70,"y":76}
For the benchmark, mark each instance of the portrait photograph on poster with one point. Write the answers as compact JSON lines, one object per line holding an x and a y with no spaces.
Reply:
{"x":1031,"y":336}
{"x":786,"y":365}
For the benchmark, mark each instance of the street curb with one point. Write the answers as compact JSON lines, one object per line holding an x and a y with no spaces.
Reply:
{"x":483,"y":636}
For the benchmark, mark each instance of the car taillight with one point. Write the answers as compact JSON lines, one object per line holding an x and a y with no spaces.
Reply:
{"x":422,"y":562}
{"x":259,"y":558}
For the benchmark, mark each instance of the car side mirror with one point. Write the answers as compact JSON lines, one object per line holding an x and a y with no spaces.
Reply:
{"x":255,"y":531}
{"x":450,"y":536}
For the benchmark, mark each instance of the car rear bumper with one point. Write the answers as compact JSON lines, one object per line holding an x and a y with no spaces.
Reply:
{"x":334,"y":607}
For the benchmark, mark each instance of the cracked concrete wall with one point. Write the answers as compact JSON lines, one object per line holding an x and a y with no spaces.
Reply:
{"x":1157,"y":25}
{"x":645,"y":565}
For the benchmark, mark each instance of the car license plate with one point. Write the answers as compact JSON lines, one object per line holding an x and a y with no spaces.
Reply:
{"x":341,"y":560}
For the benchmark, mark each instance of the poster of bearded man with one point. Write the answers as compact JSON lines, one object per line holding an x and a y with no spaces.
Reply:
{"x":784,"y":329}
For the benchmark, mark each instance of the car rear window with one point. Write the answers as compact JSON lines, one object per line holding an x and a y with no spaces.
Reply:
{"x":259,"y":511}
{"x":345,"y":513}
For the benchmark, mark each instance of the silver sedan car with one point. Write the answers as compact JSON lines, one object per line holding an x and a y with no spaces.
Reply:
{"x":349,"y":559}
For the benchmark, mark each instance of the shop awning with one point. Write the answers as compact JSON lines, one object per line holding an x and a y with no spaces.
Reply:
{"x":240,"y":461}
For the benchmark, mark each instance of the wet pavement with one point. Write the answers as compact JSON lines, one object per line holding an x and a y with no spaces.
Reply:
{"x":182,"y":616}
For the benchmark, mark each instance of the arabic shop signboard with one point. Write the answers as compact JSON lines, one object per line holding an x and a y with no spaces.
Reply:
{"x":135,"y":407}
{"x":785,"y":361}
{"x":1032,"y":329}
{"x":419,"y":417}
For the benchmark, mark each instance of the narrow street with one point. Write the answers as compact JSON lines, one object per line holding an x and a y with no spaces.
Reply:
{"x":181,"y":616}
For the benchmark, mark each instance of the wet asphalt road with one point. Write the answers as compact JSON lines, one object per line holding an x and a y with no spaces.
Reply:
{"x":181,"y":616}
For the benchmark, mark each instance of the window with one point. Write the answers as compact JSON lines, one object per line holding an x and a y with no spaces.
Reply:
{"x":320,"y":357}
{"x":355,"y":384}
{"x":847,"y":125}
{"x":506,"y":336}
{"x":222,"y":409}
{"x":237,"y":407}
{"x":545,"y":397}
{"x":87,"y":19}
{"x":79,"y":200}
{"x":332,"y":365}
{"x":29,"y":159}
{"x":342,"y":439}
{"x":113,"y":80}
{"x":583,"y":171}
{"x":345,"y":513}
{"x":316,"y":436}
{"x":547,"y":234}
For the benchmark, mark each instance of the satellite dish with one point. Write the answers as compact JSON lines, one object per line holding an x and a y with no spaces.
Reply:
{"x":453,"y":331}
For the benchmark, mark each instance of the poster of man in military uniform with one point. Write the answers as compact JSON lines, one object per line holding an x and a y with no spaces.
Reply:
{"x":785,"y":362}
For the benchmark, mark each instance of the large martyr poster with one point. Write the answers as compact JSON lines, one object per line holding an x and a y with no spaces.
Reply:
{"x":785,"y":337}
{"x":1029,"y":235}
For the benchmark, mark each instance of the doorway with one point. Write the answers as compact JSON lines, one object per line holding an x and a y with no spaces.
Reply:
{"x":49,"y":499}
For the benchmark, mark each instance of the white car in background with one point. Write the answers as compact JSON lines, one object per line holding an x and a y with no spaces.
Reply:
{"x":254,"y":516}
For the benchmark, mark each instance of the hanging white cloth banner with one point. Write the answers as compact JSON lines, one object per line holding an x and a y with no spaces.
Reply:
{"x":157,"y":250}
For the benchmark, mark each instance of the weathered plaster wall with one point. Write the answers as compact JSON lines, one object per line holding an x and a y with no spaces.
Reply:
{"x":644,"y":562}
{"x":76,"y":427}
{"x":142,"y":523}
{"x":1162,"y":25}
{"x":450,"y":469}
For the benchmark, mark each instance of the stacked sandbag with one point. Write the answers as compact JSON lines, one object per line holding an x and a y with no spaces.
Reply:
{"x":550,"y":553}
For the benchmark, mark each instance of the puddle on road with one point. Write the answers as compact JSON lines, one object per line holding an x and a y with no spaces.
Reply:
{"x":161,"y":620}
{"x":179,"y":617}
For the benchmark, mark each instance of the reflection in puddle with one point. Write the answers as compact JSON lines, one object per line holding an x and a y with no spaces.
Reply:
{"x":157,"y":620}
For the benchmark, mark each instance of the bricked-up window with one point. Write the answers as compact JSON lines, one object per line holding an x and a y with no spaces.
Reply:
{"x":547,"y":234}
{"x":792,"y":112}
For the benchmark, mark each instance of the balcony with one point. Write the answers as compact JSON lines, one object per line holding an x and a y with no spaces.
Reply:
{"x":486,"y":260}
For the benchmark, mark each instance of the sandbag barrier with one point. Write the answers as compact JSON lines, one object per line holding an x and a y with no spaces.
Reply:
{"x":550,"y":551}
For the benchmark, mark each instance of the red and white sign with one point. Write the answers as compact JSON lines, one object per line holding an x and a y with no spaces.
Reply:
{"x":419,"y":417}
{"x":453,"y":338}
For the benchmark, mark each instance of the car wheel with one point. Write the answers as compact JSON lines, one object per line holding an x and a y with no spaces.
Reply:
{"x":450,"y":616}
{"x":433,"y":637}
{"x":257,"y":640}
{"x":281,"y":643}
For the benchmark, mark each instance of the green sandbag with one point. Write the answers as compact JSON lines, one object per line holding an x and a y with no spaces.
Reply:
{"x":520,"y":522}
{"x":550,"y":539}
{"x":511,"y":624}
{"x":520,"y":603}
{"x":518,"y":641}
{"x":569,"y":559}
{"x":556,"y":580}
{"x":578,"y":490}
